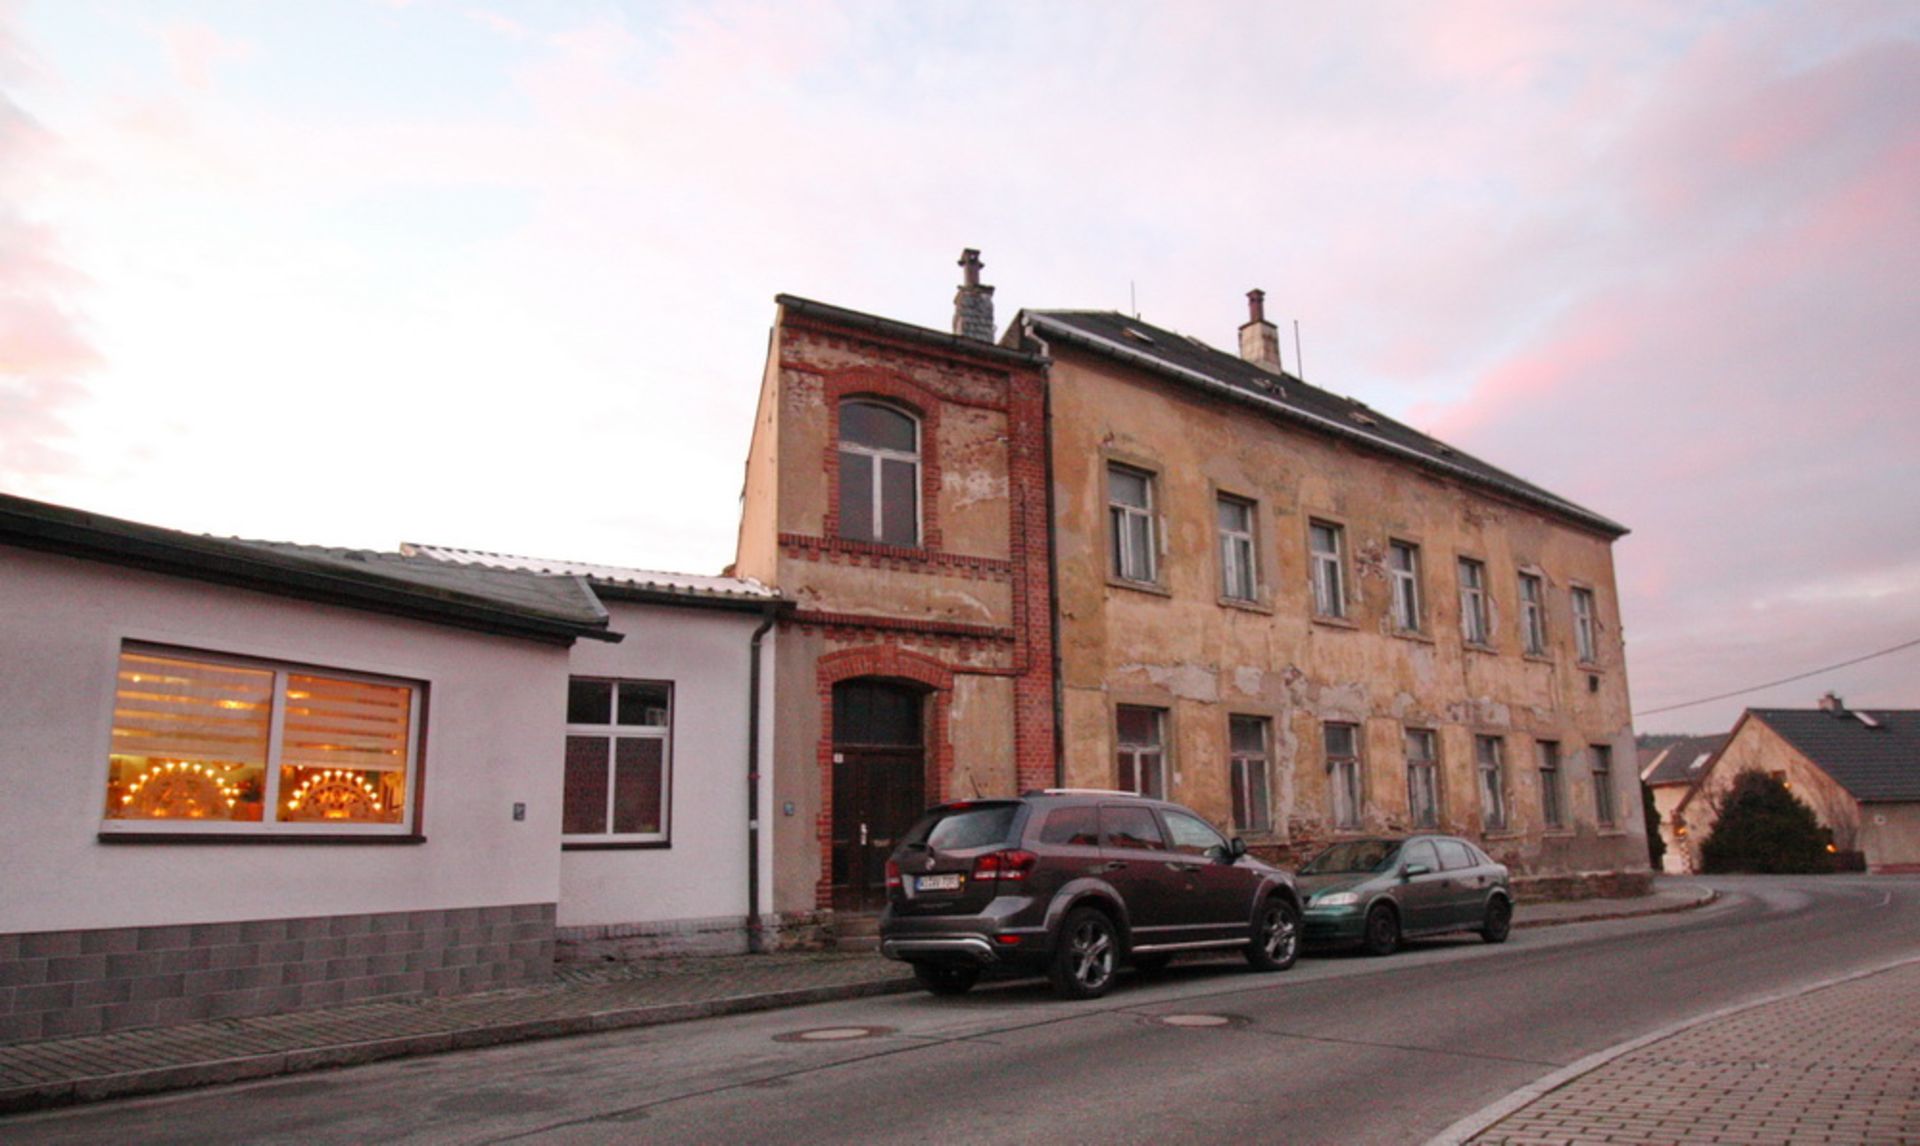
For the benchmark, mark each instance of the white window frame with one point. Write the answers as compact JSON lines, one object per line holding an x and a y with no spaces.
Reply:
{"x":1600,"y":763}
{"x":875,"y":457}
{"x":1406,"y":586}
{"x":1243,"y":764}
{"x":1493,"y":785}
{"x":1428,"y":762}
{"x":1553,"y":801}
{"x":1476,"y":625}
{"x":1126,"y":562}
{"x":1239,"y":551}
{"x":268,"y":824}
{"x":1140,"y":756}
{"x":615,"y":732}
{"x":1346,"y":787}
{"x":1533,"y":614}
{"x":1325,"y":571}
{"x":1585,"y":647}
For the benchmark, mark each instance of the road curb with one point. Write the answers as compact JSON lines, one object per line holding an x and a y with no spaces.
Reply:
{"x":249,"y":1068}
{"x":1706,"y":895}
{"x":1487,"y":1116}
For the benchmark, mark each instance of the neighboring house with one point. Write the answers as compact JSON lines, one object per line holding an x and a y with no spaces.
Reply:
{"x":1859,"y":770}
{"x":660,"y":780}
{"x":1673,"y":772}
{"x":896,"y":494}
{"x":249,"y":777}
{"x":1309,"y":621}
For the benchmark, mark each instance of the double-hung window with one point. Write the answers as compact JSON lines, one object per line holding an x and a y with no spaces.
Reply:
{"x":1423,"y":779}
{"x":1142,"y":752}
{"x":1343,"y":774}
{"x":1324,"y":545}
{"x":204,"y":742}
{"x":1403,"y":567}
{"x":1239,"y":571}
{"x":1533,"y":615}
{"x":1583,"y":642}
{"x":1476,"y":627}
{"x":879,"y":474}
{"x":1493,"y":798}
{"x":1552,"y":797}
{"x":617,"y":787}
{"x":1130,"y":520}
{"x":1248,"y":762}
{"x":1602,"y":757}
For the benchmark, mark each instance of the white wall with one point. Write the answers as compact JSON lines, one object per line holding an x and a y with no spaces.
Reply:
{"x":496,"y":710}
{"x":702,"y":874}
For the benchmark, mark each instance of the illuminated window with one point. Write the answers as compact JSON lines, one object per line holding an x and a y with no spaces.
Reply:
{"x":879,"y":474}
{"x":617,"y":781}
{"x":208,"y":743}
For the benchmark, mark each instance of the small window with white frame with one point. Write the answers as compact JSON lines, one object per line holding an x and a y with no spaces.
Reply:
{"x":1239,"y":566}
{"x":1249,"y":761}
{"x":1141,"y":756}
{"x":617,"y":787}
{"x":1130,"y":513}
{"x":1403,"y":569}
{"x":1487,"y":760}
{"x":879,"y":474}
{"x":205,"y":742}
{"x":1423,"y":778}
{"x":1584,"y":644}
{"x":1326,"y":543}
{"x":1344,"y":784}
{"x":1533,"y":614}
{"x":1476,"y":626}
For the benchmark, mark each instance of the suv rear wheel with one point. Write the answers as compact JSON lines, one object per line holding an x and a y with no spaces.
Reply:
{"x":946,"y":978}
{"x":1276,"y":940}
{"x":1083,"y":959}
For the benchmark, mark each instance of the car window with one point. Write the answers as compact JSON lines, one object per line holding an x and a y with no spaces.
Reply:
{"x":1355,"y":857}
{"x":1453,"y":854}
{"x":954,"y":829}
{"x":1191,"y":834}
{"x":1075,"y":827}
{"x":1420,"y":851}
{"x":1131,"y":828}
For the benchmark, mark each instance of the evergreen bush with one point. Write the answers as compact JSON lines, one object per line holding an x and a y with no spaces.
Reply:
{"x":1763,"y":827}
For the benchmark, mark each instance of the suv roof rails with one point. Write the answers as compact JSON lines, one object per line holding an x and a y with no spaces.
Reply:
{"x":1081,"y":792}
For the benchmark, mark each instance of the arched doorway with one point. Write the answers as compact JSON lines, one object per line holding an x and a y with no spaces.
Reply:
{"x":879,"y":783}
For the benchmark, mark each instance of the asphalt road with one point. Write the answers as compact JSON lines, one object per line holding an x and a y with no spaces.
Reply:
{"x":1341,"y":1049}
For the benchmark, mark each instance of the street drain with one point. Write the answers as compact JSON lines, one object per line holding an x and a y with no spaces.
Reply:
{"x":1200,"y":1020}
{"x":832,"y":1034}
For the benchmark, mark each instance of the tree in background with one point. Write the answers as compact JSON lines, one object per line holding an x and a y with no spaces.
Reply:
{"x":1762,"y":827}
{"x":1656,"y":843}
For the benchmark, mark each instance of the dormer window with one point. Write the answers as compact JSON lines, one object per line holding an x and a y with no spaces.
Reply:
{"x":879,"y":474}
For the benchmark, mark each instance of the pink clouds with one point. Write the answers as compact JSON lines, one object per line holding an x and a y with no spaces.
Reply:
{"x":197,"y":49}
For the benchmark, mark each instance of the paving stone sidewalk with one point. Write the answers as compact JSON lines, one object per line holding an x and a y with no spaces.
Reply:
{"x":581,"y":999}
{"x":1836,"y":1064}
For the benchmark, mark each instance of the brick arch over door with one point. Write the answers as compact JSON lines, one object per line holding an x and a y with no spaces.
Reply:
{"x":881,"y":662}
{"x":895,"y":389}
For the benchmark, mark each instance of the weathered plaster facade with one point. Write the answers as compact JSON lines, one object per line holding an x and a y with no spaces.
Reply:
{"x":1178,"y":645}
{"x":958,"y":619}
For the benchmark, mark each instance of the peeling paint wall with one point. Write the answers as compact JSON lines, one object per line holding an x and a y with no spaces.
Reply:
{"x":1178,"y":646}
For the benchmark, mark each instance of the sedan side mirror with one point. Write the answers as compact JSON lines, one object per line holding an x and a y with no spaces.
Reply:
{"x":1236,"y":847}
{"x":1414,"y":869}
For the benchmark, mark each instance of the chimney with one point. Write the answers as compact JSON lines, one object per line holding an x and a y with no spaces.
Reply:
{"x":1832,"y":703}
{"x":973,"y":305}
{"x":1259,"y":341}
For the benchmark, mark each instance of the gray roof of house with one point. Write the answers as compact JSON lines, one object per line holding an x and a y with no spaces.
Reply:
{"x":615,"y":582}
{"x":907,"y":332}
{"x":1188,"y":360}
{"x":518,"y":604}
{"x":1877,"y":759}
{"x":1683,"y":761}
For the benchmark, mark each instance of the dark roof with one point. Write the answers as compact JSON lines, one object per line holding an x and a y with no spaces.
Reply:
{"x":1683,"y":761}
{"x":1282,"y":395}
{"x":618,"y":582}
{"x":907,"y":332}
{"x":553,"y":609}
{"x":1872,"y":763}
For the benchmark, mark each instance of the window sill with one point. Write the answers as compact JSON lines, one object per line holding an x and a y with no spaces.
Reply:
{"x":1502,"y":834}
{"x":1336,"y":622}
{"x":613,"y":845}
{"x":1557,"y":833}
{"x":1150,"y":588}
{"x":1537,"y":658}
{"x":1246,"y":606}
{"x":1413,"y":635}
{"x":1588,"y":666}
{"x":1612,"y":833}
{"x":253,"y":839}
{"x":1477,"y":647}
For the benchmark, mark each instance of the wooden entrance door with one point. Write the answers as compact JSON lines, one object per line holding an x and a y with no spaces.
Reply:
{"x":879,"y":785}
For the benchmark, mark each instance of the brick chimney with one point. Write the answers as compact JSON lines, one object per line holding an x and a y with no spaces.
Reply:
{"x":973,"y":305}
{"x":1259,"y":341}
{"x":1832,"y":703}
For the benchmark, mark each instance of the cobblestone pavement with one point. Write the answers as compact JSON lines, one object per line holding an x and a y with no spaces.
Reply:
{"x":1836,"y":1064}
{"x":581,"y":999}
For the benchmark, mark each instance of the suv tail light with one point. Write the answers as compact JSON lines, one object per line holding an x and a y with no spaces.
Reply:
{"x":893,"y":876}
{"x":1011,"y":864}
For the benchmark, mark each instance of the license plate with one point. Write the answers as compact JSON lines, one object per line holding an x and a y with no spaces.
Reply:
{"x":947,"y":882}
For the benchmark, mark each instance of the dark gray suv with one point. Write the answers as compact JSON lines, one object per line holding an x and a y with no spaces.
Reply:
{"x":1071,"y":883}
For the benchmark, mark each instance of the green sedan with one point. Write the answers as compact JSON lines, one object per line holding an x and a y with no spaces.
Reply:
{"x":1374,"y":892}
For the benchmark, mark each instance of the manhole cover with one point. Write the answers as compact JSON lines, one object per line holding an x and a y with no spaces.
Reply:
{"x":1200,"y":1020}
{"x":831,"y":1034}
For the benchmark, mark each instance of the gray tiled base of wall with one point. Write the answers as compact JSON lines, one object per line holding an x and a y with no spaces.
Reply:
{"x":59,"y":983}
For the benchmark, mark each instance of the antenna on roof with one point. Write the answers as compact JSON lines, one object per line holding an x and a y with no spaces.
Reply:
{"x":1299,"y":363}
{"x":1133,"y":299}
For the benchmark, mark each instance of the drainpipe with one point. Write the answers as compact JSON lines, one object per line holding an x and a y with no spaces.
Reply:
{"x":1053,"y":562}
{"x":756,"y":942}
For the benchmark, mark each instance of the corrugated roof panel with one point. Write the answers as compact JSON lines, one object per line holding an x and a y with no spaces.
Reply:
{"x":680,"y":584}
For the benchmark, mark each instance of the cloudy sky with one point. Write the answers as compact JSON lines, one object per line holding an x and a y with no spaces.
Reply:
{"x":500,"y":276}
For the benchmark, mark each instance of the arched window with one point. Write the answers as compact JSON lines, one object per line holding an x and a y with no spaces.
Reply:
{"x":879,"y":474}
